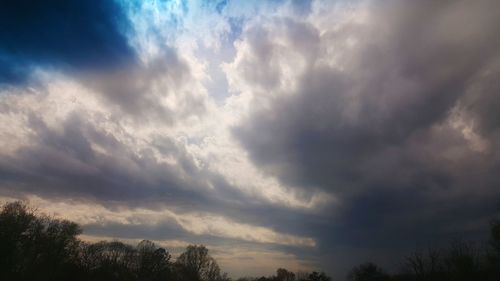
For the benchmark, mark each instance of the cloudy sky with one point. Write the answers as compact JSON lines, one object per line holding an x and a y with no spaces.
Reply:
{"x":297,"y":134}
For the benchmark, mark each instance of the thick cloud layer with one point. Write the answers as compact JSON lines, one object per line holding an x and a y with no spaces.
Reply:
{"x":379,"y":113}
{"x":303,"y":134}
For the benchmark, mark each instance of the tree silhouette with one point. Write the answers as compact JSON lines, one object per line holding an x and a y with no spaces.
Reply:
{"x":494,"y":256}
{"x":197,"y":265}
{"x":315,"y":276}
{"x":111,"y":261}
{"x":367,"y":272}
{"x":154,"y":263}
{"x":284,"y":275}
{"x":425,"y":266}
{"x":462,"y":261}
{"x":495,"y":237}
{"x":36,"y":247}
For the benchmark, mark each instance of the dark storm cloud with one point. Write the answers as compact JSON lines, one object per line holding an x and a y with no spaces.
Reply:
{"x":380,"y":133}
{"x":396,"y":88}
{"x":63,"y":33}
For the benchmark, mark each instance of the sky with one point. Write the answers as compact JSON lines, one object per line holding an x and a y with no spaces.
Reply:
{"x":310,"y":135}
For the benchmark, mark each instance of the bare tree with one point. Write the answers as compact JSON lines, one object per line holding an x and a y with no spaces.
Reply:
{"x":367,"y":272}
{"x":284,"y":275}
{"x":196,"y":264}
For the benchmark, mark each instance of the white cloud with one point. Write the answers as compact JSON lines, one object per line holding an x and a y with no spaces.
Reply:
{"x":86,"y":213}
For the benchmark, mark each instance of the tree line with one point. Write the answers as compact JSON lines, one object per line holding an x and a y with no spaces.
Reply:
{"x":460,"y":261}
{"x":37,"y":247}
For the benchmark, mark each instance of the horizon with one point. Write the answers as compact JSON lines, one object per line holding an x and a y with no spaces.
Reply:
{"x":306,"y":135}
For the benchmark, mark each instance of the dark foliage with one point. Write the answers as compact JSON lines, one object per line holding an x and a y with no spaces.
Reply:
{"x":367,"y":272}
{"x":196,"y":264}
{"x":36,"y":247}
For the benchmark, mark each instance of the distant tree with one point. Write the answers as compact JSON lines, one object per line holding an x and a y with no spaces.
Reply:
{"x":494,"y":255}
{"x":462,"y":261}
{"x":195,"y":264}
{"x":367,"y":272}
{"x":284,"y":275}
{"x":424,"y":265}
{"x":301,"y":275}
{"x":111,"y":261}
{"x":318,"y":276}
{"x":495,"y":237}
{"x":117,"y":261}
{"x":153,"y":262}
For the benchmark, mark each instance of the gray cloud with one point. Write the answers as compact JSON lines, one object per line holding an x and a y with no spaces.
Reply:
{"x":140,"y":89}
{"x":402,"y":128}
{"x":63,"y":163}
